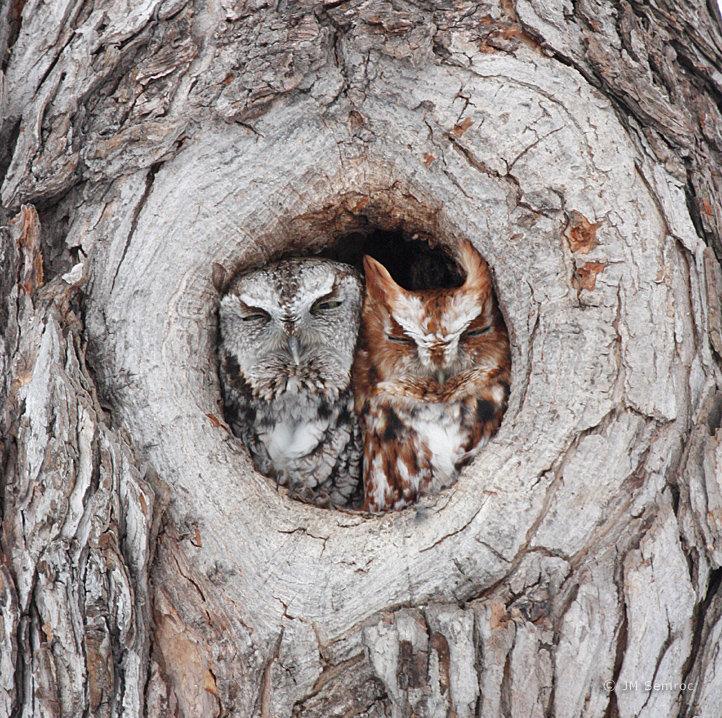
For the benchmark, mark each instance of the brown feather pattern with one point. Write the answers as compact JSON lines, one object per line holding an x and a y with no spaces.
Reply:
{"x":431,"y":380}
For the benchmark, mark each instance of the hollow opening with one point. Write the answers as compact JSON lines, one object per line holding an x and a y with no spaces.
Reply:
{"x":396,"y":229}
{"x":406,"y":241}
{"x":412,"y":262}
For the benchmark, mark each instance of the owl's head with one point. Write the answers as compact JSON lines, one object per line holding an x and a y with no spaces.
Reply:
{"x":435,"y":333}
{"x":292,"y":326}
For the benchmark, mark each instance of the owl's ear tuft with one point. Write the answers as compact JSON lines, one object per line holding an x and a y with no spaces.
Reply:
{"x":379,"y":283}
{"x":478,"y":278}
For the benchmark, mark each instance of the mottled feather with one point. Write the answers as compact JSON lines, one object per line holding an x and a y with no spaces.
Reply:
{"x":431,"y":380}
{"x":288,"y":333}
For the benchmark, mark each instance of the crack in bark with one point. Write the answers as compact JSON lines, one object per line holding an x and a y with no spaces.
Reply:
{"x":264,"y":695}
{"x":452,"y":533}
{"x":149,"y":180}
{"x":700,"y":635}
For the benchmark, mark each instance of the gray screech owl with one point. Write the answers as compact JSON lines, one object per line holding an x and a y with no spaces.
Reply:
{"x":287,"y":339}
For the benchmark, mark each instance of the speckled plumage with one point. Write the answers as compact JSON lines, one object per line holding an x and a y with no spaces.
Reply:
{"x":431,"y":380}
{"x":288,"y":333}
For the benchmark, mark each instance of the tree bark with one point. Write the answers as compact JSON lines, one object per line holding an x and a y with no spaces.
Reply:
{"x":147,"y":570}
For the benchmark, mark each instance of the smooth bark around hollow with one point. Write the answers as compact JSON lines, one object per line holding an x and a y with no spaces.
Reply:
{"x":575,"y":568}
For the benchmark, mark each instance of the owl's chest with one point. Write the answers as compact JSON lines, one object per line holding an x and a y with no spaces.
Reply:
{"x":437,"y":434}
{"x":291,"y":428}
{"x":441,"y":429}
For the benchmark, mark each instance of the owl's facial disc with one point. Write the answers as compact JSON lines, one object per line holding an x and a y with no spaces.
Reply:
{"x":293,"y":332}
{"x":439,"y":332}
{"x":293,"y":324}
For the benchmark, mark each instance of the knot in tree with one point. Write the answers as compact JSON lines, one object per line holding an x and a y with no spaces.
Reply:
{"x":150,"y":568}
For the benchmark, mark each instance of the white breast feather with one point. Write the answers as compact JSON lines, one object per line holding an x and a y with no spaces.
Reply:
{"x":288,"y":440}
{"x":444,"y":438}
{"x":379,"y":481}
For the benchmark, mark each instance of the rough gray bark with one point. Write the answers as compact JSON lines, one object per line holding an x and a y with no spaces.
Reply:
{"x":147,"y":570}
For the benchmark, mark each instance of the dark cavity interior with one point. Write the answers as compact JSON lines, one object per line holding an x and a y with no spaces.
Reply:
{"x":413,"y":262}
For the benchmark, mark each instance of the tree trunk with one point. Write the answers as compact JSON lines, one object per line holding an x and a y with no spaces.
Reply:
{"x":574,"y":570}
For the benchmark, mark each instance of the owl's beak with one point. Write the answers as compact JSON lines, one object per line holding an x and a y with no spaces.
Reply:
{"x":441,"y":376}
{"x":294,"y":349}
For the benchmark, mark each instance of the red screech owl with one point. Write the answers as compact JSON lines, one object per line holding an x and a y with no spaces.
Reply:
{"x":431,"y":380}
